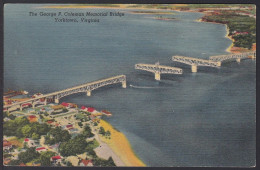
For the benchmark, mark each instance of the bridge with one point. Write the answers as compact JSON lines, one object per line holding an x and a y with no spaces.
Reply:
{"x":158,"y":69}
{"x":237,"y":56}
{"x":195,"y":62}
{"x":87,"y":88}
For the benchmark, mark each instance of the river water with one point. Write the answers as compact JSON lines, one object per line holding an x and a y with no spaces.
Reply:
{"x":194,"y":119}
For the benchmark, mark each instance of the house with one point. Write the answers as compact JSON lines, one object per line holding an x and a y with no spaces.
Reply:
{"x":26,"y":105}
{"x":37,"y":95}
{"x":41,"y":149}
{"x":6,"y":161}
{"x":84,"y":108}
{"x":7,"y":145}
{"x":32,"y":118}
{"x":69,"y":127}
{"x":55,"y":160}
{"x":30,"y":142}
{"x":85,"y":162}
{"x":90,"y":109}
{"x":105,"y":112}
{"x":65,"y":104}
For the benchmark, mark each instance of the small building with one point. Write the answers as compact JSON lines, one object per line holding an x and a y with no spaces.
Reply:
{"x":69,"y":127}
{"x":56,"y":159}
{"x":91,"y":109}
{"x":57,"y":107}
{"x":30,"y":142}
{"x":41,"y":149}
{"x":7,"y":145}
{"x":32,"y":118}
{"x":85,"y":162}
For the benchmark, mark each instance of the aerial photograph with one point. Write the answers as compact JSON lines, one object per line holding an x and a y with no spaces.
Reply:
{"x":129,"y":85}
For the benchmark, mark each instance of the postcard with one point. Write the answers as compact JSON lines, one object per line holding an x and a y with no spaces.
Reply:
{"x":156,"y":85}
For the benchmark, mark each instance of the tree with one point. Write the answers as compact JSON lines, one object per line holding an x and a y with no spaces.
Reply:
{"x":28,"y":155}
{"x":35,"y":136}
{"x":73,"y":146}
{"x":57,"y":135}
{"x":80,"y":124}
{"x":87,"y":132}
{"x":102,"y":131}
{"x":45,"y":158}
{"x":27,"y":131}
{"x":103,"y":162}
{"x":107,"y":133}
{"x":69,"y":164}
{"x":14,"y":162}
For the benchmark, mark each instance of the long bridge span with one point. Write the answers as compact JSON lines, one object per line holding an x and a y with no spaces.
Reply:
{"x":195,"y":62}
{"x":87,"y":88}
{"x":158,"y":69}
{"x":236,"y":56}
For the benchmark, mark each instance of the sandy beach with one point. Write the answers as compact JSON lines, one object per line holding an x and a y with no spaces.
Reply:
{"x":120,"y":146}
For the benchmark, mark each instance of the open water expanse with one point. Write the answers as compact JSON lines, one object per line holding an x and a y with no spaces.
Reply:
{"x":195,"y":119}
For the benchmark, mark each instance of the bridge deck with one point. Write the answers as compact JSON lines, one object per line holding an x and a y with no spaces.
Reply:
{"x":123,"y":77}
{"x":221,"y":58}
{"x":196,"y":61}
{"x":154,"y":68}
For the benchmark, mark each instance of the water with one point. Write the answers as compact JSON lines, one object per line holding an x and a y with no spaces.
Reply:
{"x":201,"y":119}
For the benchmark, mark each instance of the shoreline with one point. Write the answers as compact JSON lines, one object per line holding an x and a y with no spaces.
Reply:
{"x":120,"y":145}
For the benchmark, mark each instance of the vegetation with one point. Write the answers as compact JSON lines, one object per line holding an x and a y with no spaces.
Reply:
{"x":87,"y":132}
{"x":57,"y":135}
{"x":21,"y":127}
{"x":236,"y":24}
{"x":45,"y":158}
{"x":102,"y":162}
{"x":73,"y":146}
{"x":28,"y":155}
{"x":103,"y":132}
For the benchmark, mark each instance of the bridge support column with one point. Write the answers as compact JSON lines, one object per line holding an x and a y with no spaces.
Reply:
{"x":45,"y":101}
{"x":238,"y":60}
{"x":157,"y":76}
{"x":194,"y":68}
{"x":21,"y":108}
{"x":56,"y":100}
{"x":88,"y":93}
{"x":33,"y":105}
{"x":124,"y":84}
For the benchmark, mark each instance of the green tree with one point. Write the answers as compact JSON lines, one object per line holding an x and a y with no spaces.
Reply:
{"x":28,"y":155}
{"x":45,"y":158}
{"x":87,"y":132}
{"x":27,"y":131}
{"x":73,"y":146}
{"x":35,"y":136}
{"x":102,"y":131}
{"x":57,"y":135}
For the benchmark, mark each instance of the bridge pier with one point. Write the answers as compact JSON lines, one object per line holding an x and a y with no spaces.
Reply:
{"x":194,"y":68}
{"x":21,"y":108}
{"x":238,"y":60}
{"x":88,"y":93}
{"x":45,"y":101}
{"x":157,"y":76}
{"x":56,"y":100}
{"x":124,"y":84}
{"x":33,"y":105}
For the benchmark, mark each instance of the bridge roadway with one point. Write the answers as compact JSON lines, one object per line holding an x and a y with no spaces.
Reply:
{"x":237,"y":56}
{"x":158,"y":69}
{"x":87,"y":87}
{"x":195,"y":62}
